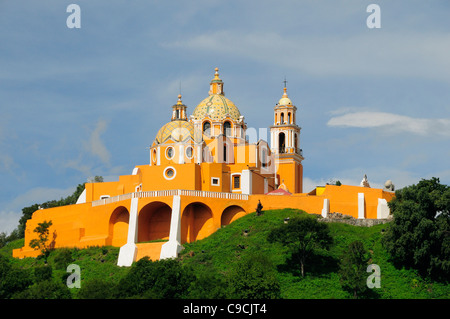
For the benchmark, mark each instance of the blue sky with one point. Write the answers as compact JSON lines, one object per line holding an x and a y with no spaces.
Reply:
{"x":76,"y":103}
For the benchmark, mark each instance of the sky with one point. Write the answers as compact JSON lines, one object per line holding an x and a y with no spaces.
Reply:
{"x":81,"y":102}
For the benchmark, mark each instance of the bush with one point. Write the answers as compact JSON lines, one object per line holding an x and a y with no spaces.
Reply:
{"x":419,"y":235}
{"x":254,"y":277}
{"x":12,"y":280}
{"x":42,"y":273}
{"x":166,"y":279}
{"x":46,"y":289}
{"x":96,"y":289}
{"x":353,"y":267}
{"x":303,"y":236}
{"x":208,"y":285}
{"x":63,"y":258}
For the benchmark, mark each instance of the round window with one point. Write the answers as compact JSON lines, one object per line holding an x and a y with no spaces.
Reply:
{"x":169,"y":173}
{"x":189,"y":152}
{"x":169,"y":152}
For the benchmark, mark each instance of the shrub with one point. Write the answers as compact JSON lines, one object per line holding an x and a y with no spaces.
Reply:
{"x":254,"y":277}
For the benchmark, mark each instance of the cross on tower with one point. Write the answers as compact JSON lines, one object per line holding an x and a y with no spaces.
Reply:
{"x":284,"y":81}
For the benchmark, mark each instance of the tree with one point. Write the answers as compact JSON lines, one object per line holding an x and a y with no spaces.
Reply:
{"x":302,"y":236}
{"x":165,"y":279}
{"x":43,"y":231}
{"x":97,"y":289}
{"x":12,"y":280}
{"x":27,"y":212}
{"x":353,"y":267}
{"x":45,"y":289}
{"x":254,"y":277}
{"x":419,"y":237}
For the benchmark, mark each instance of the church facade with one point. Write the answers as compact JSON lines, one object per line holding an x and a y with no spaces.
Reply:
{"x":202,"y":174}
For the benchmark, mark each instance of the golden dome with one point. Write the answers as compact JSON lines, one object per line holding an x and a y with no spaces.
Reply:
{"x":284,"y":99}
{"x":177,"y":131}
{"x":217,"y":107}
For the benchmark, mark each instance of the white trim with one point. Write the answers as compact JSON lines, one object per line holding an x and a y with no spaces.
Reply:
{"x":246,"y":182}
{"x":361,"y":208}
{"x":192,"y":155}
{"x":174,"y":173}
{"x":383,"y":210}
{"x":181,"y":156}
{"x":326,"y":207}
{"x":167,"y":150}
{"x":82,"y":198}
{"x":199,"y":154}
{"x":128,"y":252}
{"x":158,"y":156}
{"x":173,"y":246}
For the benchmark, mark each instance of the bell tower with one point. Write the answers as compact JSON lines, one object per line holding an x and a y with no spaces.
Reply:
{"x":285,"y":145}
{"x":179,"y":111}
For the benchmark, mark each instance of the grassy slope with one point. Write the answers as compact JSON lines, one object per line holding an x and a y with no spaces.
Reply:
{"x":94,"y":262}
{"x":221,"y":249}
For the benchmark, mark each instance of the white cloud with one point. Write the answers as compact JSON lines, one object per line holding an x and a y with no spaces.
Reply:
{"x":95,"y":144}
{"x":388,"y":54}
{"x":376,"y":176}
{"x":12,"y":211}
{"x":9,"y":221}
{"x":393,"y":123}
{"x":6,"y":161}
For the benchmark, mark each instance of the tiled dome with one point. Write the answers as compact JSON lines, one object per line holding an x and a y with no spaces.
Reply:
{"x":217,"y":107}
{"x":177,"y":131}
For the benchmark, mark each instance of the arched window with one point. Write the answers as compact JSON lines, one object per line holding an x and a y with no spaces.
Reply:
{"x":289,"y":118}
{"x":264,"y":157}
{"x":177,"y":114}
{"x":296,"y":143}
{"x":281,"y":142}
{"x":227,"y":128}
{"x":225,"y":159}
{"x":282,"y":118}
{"x":207,"y":128}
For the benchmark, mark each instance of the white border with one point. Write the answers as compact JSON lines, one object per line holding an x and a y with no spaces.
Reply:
{"x":174,"y":173}
{"x":192,"y":156}
{"x":166,"y":151}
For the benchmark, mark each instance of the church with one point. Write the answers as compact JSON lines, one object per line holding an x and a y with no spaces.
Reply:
{"x":202,"y":174}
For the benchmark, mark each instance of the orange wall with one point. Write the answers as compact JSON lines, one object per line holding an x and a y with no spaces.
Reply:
{"x":82,"y":225}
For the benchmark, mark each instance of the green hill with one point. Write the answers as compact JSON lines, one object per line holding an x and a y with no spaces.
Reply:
{"x":220,"y":250}
{"x":219,"y":254}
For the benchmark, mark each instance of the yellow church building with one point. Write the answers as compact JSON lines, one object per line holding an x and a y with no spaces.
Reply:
{"x":202,"y":174}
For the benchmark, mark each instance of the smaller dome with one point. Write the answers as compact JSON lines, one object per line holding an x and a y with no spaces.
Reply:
{"x":177,"y":131}
{"x":217,"y":107}
{"x":284,"y":99}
